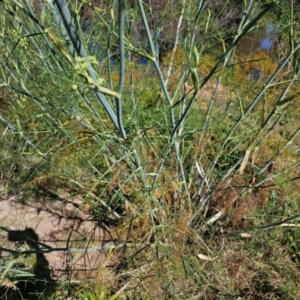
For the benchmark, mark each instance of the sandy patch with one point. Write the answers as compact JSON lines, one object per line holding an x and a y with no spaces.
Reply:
{"x":48,"y":225}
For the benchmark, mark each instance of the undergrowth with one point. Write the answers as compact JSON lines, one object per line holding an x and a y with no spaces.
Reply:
{"x":194,"y":183}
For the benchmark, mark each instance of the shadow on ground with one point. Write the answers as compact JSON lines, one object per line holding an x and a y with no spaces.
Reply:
{"x":50,"y":241}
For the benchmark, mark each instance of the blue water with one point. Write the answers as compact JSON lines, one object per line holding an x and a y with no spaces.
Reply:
{"x":266,"y":44}
{"x":268,"y":41}
{"x":270,"y":28}
{"x":143,"y":61}
{"x":256,"y":74}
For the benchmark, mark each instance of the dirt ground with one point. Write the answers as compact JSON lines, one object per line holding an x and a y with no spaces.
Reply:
{"x":50,"y":224}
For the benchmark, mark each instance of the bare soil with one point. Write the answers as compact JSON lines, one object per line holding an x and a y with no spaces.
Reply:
{"x":49,"y":225}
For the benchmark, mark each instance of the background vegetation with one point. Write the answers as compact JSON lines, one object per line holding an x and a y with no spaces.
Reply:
{"x":150,"y":113}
